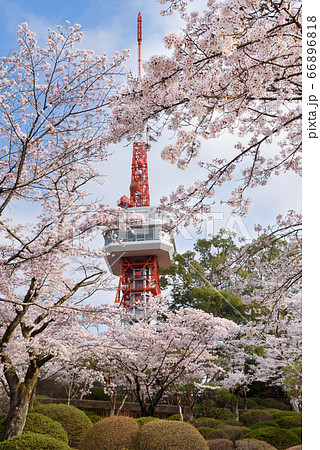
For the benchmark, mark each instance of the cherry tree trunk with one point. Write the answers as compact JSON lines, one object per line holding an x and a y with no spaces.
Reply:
{"x":235,"y":410}
{"x":20,"y":398}
{"x":180,"y":408}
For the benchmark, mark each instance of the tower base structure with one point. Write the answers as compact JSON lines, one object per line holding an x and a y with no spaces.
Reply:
{"x":139,"y":276}
{"x":135,"y":255}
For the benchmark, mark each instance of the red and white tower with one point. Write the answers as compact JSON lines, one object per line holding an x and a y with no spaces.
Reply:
{"x":145,"y":247}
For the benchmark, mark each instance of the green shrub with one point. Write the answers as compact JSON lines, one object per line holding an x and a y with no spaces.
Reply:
{"x":165,"y":434}
{"x":288,"y":419}
{"x":223,"y":432}
{"x":97,"y":393}
{"x":142,"y":420}
{"x":273,"y":403}
{"x":278,"y":437}
{"x":224,"y":414}
{"x":112,"y":433}
{"x":177,"y":417}
{"x":258,"y":400}
{"x":212,"y":433}
{"x":264,"y":424}
{"x":74,"y":421}
{"x":33,"y":441}
{"x":38,"y":423}
{"x":251,"y":404}
{"x":254,"y":416}
{"x":2,"y":419}
{"x":277,"y":414}
{"x":253,"y":444}
{"x":93,"y":417}
{"x":220,"y":444}
{"x":206,"y":422}
{"x":297,"y":431}
{"x":223,"y":398}
{"x":207,"y":410}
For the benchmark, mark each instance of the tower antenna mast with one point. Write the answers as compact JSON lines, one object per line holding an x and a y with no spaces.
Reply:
{"x":139,"y":32}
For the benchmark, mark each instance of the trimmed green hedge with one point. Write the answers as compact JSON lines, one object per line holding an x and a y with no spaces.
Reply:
{"x":224,"y":432}
{"x":165,"y":434}
{"x":280,"y":438}
{"x":253,"y":444}
{"x":73,"y":420}
{"x":38,"y":423}
{"x":33,"y":441}
{"x":273,"y":403}
{"x":288,"y":419}
{"x":177,"y":417}
{"x":220,"y":444}
{"x":254,"y":416}
{"x":143,"y":420}
{"x":207,"y":422}
{"x":264,"y":424}
{"x":112,"y":433}
{"x":93,"y":417}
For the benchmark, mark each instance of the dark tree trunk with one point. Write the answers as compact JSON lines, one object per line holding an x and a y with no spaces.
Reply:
{"x":19,"y":406}
{"x":179,"y":400}
{"x":245,"y":402}
{"x":33,"y":395}
{"x":20,"y":397}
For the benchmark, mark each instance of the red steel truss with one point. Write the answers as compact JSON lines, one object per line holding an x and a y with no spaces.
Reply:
{"x":139,"y":275}
{"x":139,"y":187}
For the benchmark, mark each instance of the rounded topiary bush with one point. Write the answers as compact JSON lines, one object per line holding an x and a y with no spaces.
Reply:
{"x":112,"y":433}
{"x":253,"y":444}
{"x":33,"y":441}
{"x":220,"y":444}
{"x":264,"y":424}
{"x":164,"y":434}
{"x":143,"y":420}
{"x":212,"y":433}
{"x":93,"y":417}
{"x":38,"y":423}
{"x":224,"y":432}
{"x":73,"y":420}
{"x":290,"y":421}
{"x":251,"y":404}
{"x":206,"y":422}
{"x":254,"y":416}
{"x":278,"y":437}
{"x":280,"y":414}
{"x":224,"y":414}
{"x":234,"y":433}
{"x":273,"y":403}
{"x":177,"y":417}
{"x":297,"y":431}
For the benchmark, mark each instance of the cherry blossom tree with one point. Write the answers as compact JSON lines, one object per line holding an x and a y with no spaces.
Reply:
{"x":235,"y":67}
{"x":53,"y":130}
{"x":267,"y":350}
{"x":53,"y":104}
{"x":273,"y":264}
{"x":160,"y":349}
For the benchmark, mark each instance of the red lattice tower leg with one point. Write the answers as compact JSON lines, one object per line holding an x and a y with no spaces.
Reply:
{"x":139,"y":275}
{"x":139,"y":187}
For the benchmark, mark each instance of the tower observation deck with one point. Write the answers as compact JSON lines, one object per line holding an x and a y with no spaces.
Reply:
{"x":135,"y":255}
